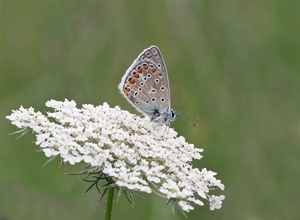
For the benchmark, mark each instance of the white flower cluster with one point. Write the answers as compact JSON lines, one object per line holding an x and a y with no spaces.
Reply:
{"x":135,"y":152}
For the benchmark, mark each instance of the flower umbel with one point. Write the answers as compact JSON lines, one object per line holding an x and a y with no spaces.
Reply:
{"x":135,"y":152}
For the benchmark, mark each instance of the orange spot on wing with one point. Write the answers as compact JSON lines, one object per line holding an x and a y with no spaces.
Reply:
{"x":136,"y":75}
{"x":153,"y":70}
{"x":159,"y":73}
{"x":127,"y":90}
{"x":145,"y":66}
{"x":131,"y":81}
{"x":140,"y":70}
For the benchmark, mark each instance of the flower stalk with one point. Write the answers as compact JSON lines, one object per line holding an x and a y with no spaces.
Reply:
{"x":109,"y":203}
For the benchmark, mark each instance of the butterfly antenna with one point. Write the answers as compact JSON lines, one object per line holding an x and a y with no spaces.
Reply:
{"x":188,"y":118}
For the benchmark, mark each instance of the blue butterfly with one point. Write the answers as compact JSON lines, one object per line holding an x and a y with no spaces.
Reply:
{"x":145,"y":85}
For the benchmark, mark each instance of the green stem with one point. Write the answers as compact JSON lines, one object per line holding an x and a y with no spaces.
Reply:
{"x":109,"y":203}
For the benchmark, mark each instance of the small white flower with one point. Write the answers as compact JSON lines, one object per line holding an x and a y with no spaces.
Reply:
{"x":185,"y":206}
{"x":216,"y":202}
{"x":133,"y":151}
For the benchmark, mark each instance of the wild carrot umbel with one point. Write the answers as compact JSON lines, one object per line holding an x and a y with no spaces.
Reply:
{"x":133,"y":152}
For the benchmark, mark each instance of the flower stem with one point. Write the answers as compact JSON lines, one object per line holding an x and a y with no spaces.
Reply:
{"x":109,"y":203}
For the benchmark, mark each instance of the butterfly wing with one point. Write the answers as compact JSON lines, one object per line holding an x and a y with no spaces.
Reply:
{"x":145,"y":84}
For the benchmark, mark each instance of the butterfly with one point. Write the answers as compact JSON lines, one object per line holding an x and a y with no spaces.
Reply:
{"x":145,"y":85}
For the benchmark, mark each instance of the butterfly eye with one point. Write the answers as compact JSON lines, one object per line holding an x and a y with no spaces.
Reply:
{"x":162,"y":88}
{"x":153,"y":90}
{"x":137,"y":102}
{"x":142,"y":84}
{"x":153,"y":99}
{"x":147,"y":101}
{"x":157,"y":80}
{"x":162,"y":100}
{"x":136,"y":93}
{"x":159,"y":65}
{"x":149,"y":75}
{"x":140,"y":89}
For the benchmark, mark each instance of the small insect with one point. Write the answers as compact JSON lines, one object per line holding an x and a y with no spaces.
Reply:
{"x":145,"y":85}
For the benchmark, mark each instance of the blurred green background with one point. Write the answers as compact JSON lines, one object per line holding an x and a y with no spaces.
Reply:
{"x":233,"y":64}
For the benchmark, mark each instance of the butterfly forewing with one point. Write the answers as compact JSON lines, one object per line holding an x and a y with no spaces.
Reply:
{"x":146,"y":83}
